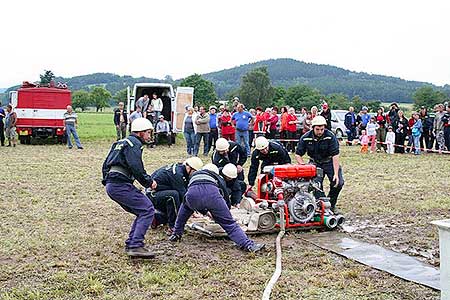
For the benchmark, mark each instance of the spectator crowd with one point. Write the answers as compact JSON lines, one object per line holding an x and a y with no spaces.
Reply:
{"x":390,"y":132}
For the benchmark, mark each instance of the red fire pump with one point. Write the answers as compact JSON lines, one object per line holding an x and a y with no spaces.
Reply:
{"x":296,"y":186}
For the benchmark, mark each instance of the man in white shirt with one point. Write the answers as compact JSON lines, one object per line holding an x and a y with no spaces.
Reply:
{"x":163,"y":130}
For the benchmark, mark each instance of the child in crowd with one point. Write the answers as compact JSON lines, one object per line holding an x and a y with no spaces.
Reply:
{"x":364,"y":140}
{"x":416,"y":132}
{"x":390,"y":140}
{"x":371,"y":129}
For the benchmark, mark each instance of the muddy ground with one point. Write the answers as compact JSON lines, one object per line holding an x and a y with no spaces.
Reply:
{"x":62,"y":238}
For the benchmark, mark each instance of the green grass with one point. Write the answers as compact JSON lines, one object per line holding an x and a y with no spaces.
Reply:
{"x":96,"y":126}
{"x":62,"y":237}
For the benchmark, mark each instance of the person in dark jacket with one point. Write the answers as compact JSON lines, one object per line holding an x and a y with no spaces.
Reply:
{"x":121,"y":168}
{"x":401,"y":131}
{"x":235,"y":187}
{"x":121,"y":121}
{"x":393,"y":114}
{"x":326,"y":113}
{"x":381,"y":131}
{"x":172,"y":182}
{"x":322,"y":147}
{"x":446,"y":121}
{"x":270,"y":153}
{"x":229,"y":152}
{"x":205,"y":194}
{"x":350,"y":123}
{"x":427,"y":126}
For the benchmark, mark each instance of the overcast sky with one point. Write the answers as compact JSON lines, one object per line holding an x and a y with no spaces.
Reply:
{"x":407,"y":39}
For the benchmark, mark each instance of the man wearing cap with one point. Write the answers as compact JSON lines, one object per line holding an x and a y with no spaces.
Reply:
{"x":172,"y":182}
{"x":204,"y":195}
{"x":270,"y":153}
{"x":213,"y":127}
{"x":202,"y":131}
{"x":363,"y":118}
{"x":322,"y":147}
{"x":121,"y":121}
{"x":229,"y":152}
{"x":163,"y":130}
{"x":121,"y":168}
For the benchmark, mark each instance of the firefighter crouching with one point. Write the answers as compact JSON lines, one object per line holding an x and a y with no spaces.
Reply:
{"x":270,"y":153}
{"x":122,"y":166}
{"x":322,"y":147}
{"x":235,"y":187}
{"x":172,"y":183}
{"x":229,"y":152}
{"x":207,"y":192}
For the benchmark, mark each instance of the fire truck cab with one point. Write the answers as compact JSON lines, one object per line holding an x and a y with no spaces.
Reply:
{"x":40,"y":112}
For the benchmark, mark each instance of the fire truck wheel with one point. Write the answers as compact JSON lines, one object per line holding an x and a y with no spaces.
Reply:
{"x":22,"y":139}
{"x":28,"y":140}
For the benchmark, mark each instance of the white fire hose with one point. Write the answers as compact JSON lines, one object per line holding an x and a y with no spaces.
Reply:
{"x":277,"y":273}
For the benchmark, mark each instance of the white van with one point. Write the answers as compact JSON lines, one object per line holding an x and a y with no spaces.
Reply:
{"x":173,"y":103}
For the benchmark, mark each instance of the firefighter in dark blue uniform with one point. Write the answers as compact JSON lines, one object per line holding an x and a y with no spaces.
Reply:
{"x":271,"y":153}
{"x":235,"y":187}
{"x":172,"y":183}
{"x":207,"y":193}
{"x":322,"y":147}
{"x":229,"y":152}
{"x":122,"y":166}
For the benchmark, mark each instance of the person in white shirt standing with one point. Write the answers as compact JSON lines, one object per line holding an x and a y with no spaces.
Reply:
{"x":157,"y":105}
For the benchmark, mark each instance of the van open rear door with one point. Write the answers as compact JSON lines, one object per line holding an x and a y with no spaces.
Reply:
{"x":185,"y":96}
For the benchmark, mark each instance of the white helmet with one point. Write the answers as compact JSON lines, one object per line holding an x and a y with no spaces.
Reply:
{"x":222,"y":144}
{"x":211,"y":167}
{"x":318,"y":121}
{"x":261,"y":143}
{"x":194,"y":162}
{"x":141,"y":124}
{"x":230,"y":171}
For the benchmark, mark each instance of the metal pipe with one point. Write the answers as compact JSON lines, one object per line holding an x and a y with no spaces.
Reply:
{"x":278,"y":268}
{"x":340,"y":220}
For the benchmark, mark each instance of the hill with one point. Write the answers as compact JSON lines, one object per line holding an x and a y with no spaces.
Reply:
{"x":283,"y":72}
{"x":328,"y":79}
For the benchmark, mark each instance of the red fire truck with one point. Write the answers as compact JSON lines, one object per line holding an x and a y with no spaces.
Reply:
{"x":40,"y":111}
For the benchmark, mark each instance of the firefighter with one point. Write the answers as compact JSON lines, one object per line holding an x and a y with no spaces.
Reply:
{"x":229,"y":152}
{"x":172,"y":182}
{"x":122,"y":166}
{"x":271,"y":153}
{"x":235,"y":187}
{"x":322,"y":147}
{"x":206,"y":191}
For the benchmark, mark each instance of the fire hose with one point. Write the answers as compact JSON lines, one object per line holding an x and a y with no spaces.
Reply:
{"x":277,"y":273}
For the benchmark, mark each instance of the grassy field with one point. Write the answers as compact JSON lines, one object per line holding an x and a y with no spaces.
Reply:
{"x":62,"y":237}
